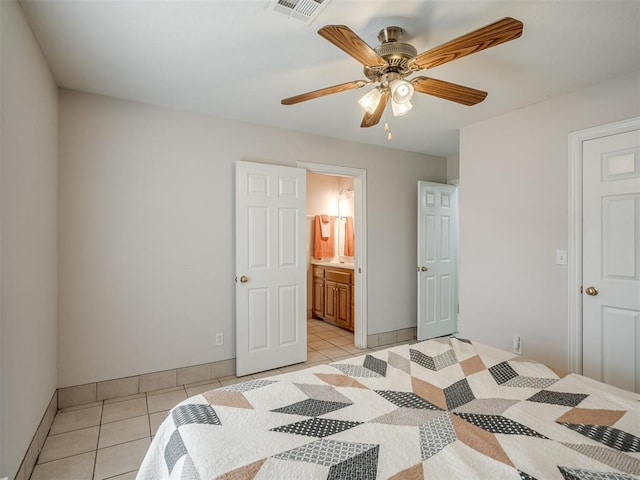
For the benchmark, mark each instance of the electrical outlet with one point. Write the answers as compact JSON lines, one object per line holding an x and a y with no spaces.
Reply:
{"x":219,"y":339}
{"x":517,"y":344}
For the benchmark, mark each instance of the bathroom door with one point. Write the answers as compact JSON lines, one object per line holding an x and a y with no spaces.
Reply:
{"x":437,"y":260}
{"x":271,"y":326}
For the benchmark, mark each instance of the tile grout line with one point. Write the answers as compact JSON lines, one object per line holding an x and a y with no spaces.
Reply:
{"x":95,"y":457}
{"x":149,"y":423}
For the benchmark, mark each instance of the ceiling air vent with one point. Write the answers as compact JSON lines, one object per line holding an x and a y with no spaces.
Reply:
{"x":304,"y":10}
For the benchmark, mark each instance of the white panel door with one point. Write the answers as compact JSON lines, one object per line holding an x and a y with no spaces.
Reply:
{"x":271,"y":327}
{"x":611,"y":259}
{"x":437,"y":260}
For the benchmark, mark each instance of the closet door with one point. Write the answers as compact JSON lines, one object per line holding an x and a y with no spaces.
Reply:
{"x":437,"y":260}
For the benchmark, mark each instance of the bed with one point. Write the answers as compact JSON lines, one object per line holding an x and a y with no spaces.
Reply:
{"x":439,"y":409}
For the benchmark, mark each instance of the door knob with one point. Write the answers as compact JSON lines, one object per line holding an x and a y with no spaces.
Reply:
{"x":593,"y":291}
{"x":423,"y":269}
{"x":244,"y":279}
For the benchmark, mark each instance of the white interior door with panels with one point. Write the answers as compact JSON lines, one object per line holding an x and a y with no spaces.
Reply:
{"x":437,"y":260}
{"x":271,"y":327}
{"x":611,"y":259}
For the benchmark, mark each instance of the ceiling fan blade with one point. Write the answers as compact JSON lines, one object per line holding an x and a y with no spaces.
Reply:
{"x":371,"y":119}
{"x":486,"y":37}
{"x":448,"y":91}
{"x":303,"y":97}
{"x":346,"y":40}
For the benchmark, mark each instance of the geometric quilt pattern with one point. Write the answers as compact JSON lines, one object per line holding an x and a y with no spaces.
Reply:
{"x":317,"y":427}
{"x":581,"y":474}
{"x":504,"y":374}
{"x":174,"y":450}
{"x":194,"y":413}
{"x":443,"y":408}
{"x":558,"y":398}
{"x":609,"y":436}
{"x":325,"y":452}
{"x":498,"y":424}
{"x":437,"y":362}
{"x":436,"y":434}
{"x":311,"y":407}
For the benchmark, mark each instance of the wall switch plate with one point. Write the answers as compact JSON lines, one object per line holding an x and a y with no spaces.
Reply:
{"x":561,"y":257}
{"x":219,"y":339}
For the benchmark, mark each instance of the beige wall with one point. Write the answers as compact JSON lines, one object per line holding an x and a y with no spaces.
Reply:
{"x":514,"y":216}
{"x":453,"y":167}
{"x":28,"y":244}
{"x":147,"y":232}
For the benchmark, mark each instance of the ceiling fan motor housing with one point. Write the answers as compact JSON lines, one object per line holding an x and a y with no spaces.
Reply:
{"x":396,"y":54}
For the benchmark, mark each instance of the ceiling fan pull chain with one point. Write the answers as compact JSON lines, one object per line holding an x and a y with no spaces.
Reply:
{"x":387,"y":128}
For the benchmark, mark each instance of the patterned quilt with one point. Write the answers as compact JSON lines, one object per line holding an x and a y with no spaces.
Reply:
{"x":440,"y":409}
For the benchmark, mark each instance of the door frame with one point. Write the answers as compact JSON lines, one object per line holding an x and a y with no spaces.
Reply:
{"x":575,"y":229}
{"x":360,"y":228}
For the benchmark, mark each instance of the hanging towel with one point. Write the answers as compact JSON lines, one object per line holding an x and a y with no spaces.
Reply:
{"x":349,"y":243}
{"x":325,"y":226}
{"x":323,"y":247}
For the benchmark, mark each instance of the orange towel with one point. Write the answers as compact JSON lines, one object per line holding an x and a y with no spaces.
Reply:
{"x":349,"y":242}
{"x":325,"y":227}
{"x":323,"y":247}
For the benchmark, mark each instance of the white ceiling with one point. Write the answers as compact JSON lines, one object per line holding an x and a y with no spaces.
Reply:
{"x":237,"y":59}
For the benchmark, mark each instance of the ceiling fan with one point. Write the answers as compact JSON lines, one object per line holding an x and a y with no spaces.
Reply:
{"x":390,"y":63}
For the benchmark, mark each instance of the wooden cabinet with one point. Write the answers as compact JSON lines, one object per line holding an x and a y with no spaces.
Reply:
{"x":318,"y":294}
{"x":333,"y":295}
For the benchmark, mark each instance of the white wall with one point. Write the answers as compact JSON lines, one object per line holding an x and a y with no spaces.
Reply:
{"x":514,"y":215}
{"x":28,"y":244}
{"x":147,"y":231}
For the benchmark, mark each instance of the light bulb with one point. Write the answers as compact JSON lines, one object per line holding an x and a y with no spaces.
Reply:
{"x":401,"y":91}
{"x":369,"y":102}
{"x":400,"y":109}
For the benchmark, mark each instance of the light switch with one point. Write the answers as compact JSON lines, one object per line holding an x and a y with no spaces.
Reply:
{"x":561,"y":257}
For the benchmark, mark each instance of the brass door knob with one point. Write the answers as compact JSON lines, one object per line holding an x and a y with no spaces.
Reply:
{"x":244,"y":279}
{"x":593,"y":291}
{"x":424,"y":269}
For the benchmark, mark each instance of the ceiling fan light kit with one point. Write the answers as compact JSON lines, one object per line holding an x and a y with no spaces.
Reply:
{"x":390,"y":63}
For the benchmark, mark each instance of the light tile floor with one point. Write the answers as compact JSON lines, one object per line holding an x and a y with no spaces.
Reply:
{"x":108,"y":439}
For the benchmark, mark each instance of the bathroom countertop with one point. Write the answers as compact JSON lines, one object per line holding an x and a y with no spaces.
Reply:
{"x":332,"y":263}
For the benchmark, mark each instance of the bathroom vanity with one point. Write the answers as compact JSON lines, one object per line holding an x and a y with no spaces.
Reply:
{"x":333,"y":293}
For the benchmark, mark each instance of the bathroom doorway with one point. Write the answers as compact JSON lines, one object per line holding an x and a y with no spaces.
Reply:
{"x":330,"y":267}
{"x":337,"y":195}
